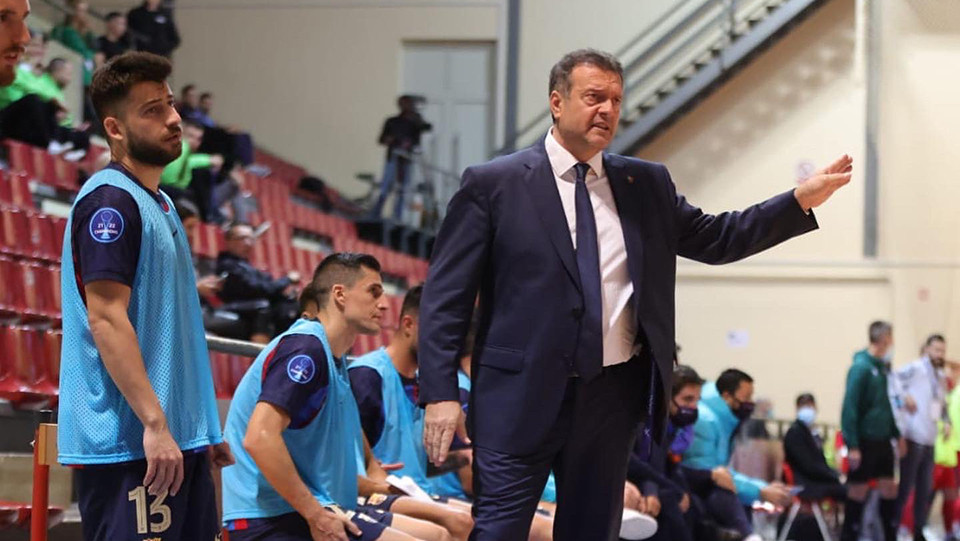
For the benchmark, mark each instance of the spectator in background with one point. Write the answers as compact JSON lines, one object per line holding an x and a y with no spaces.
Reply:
{"x":804,"y":454}
{"x":115,"y":41}
{"x":34,"y":113}
{"x":723,"y":407}
{"x":177,"y":175}
{"x":401,"y":135}
{"x":924,"y":382}
{"x":204,"y":107}
{"x":868,"y":430}
{"x":75,"y":34}
{"x":189,"y":104}
{"x":244,"y":283}
{"x":154,"y":27}
{"x":660,"y":476}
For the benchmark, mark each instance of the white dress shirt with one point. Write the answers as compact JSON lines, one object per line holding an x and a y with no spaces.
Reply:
{"x":619,"y":323}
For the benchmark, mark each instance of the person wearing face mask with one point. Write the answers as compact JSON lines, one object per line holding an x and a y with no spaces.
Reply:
{"x":924,"y":382}
{"x":803,"y":448}
{"x":869,"y":430}
{"x":683,"y":516}
{"x":724,"y":406}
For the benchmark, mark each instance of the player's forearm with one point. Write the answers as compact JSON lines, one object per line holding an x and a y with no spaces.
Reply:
{"x":116,"y":342}
{"x":369,"y":487}
{"x":270,"y":454}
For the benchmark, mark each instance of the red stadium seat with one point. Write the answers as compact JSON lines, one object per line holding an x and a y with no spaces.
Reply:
{"x":222,"y":381}
{"x":14,"y":232}
{"x":38,"y":292}
{"x":13,"y":514}
{"x":15,"y":190}
{"x":41,"y":237}
{"x":59,"y":230}
{"x":11,"y":296}
{"x":26,"y":359}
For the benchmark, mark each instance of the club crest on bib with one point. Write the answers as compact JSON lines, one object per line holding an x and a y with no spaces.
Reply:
{"x":106,"y":225}
{"x":301,"y":369}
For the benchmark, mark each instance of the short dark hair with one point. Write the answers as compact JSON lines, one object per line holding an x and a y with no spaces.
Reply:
{"x":206,"y":95}
{"x":683,"y":376}
{"x":560,"y":72}
{"x":805,"y":399}
{"x":411,"y":301}
{"x":187,"y":88}
{"x":56,"y":63}
{"x":935,"y":337}
{"x":307,"y":296}
{"x":112,"y":82}
{"x":730,"y":380}
{"x":878,"y":329}
{"x":338,"y":268}
{"x":186,"y":209}
{"x":113,"y":15}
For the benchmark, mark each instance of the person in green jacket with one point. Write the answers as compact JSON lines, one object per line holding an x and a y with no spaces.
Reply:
{"x":177,"y":175}
{"x":869,"y":429}
{"x":75,"y":34}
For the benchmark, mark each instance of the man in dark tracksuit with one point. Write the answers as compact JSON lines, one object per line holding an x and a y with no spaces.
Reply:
{"x":869,"y":430}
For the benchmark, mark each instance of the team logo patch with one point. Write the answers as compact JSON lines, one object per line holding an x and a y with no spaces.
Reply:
{"x":376,"y":499}
{"x":106,"y":226}
{"x":301,"y":369}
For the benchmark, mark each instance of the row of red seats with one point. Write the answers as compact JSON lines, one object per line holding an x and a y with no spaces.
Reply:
{"x":227,"y":372}
{"x":30,"y":365}
{"x":27,"y":233}
{"x":41,"y":166}
{"x":15,"y":190}
{"x":31,"y":290}
{"x":17,"y":515}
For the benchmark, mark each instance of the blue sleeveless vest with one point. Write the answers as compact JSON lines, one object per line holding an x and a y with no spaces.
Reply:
{"x":323,"y":450}
{"x":96,"y":424}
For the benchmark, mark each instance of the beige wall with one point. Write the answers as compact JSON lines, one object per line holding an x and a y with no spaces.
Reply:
{"x":804,"y":305}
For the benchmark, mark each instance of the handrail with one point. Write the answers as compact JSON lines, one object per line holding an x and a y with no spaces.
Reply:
{"x":234,"y":347}
{"x":706,"y":26}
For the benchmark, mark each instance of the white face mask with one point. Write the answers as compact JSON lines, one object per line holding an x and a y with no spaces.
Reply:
{"x":807,"y":415}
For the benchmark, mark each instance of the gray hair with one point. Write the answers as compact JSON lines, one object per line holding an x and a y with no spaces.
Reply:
{"x":879,"y":329}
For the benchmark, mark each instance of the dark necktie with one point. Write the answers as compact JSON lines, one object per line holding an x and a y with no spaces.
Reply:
{"x":589,"y":356}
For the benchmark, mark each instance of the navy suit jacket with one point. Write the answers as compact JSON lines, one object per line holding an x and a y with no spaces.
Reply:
{"x":506,"y":238}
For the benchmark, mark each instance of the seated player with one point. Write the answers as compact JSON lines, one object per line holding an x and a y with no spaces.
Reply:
{"x":295,"y":427}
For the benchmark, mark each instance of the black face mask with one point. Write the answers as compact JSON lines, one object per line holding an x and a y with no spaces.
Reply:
{"x":684,"y":416}
{"x":744,"y":411}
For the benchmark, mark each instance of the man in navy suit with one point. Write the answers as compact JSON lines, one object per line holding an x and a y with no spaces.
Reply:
{"x":573,"y":254}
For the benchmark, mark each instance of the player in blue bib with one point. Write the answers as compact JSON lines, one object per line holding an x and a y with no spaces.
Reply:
{"x":138,"y":416}
{"x":294,"y":425}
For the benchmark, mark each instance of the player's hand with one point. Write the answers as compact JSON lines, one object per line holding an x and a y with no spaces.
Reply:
{"x":901,"y":447}
{"x":209,"y":286}
{"x":441,"y":421}
{"x":909,"y":404}
{"x":816,"y":189}
{"x":853,"y":458}
{"x":653,"y":505}
{"x":684,"y":503}
{"x":776,"y":493}
{"x":330,"y":526}
{"x":631,"y":496}
{"x":164,"y":461}
{"x":220,"y":455}
{"x":722,"y":478}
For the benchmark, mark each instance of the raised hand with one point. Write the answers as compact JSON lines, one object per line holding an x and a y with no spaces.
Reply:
{"x":817,"y":188}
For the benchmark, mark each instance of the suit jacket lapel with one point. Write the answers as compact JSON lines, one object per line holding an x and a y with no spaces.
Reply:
{"x":627,"y":197}
{"x":542,"y":186}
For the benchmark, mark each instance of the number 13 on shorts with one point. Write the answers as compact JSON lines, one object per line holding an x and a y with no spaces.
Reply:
{"x":144,"y":522}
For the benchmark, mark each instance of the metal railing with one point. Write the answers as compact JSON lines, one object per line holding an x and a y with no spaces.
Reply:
{"x":665,"y":54}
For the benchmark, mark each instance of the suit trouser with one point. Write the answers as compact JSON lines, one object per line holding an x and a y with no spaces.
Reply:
{"x":587,"y":448}
{"x":916,"y":474}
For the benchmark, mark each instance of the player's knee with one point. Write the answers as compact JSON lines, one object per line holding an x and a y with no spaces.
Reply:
{"x":459,"y":524}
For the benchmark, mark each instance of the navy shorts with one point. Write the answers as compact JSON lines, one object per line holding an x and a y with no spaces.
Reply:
{"x":115,"y":506}
{"x":379,"y":502}
{"x":293,"y":527}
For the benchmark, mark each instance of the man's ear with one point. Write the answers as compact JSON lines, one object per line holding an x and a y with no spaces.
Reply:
{"x":338,"y":295}
{"x":555,"y":103}
{"x":113,"y":129}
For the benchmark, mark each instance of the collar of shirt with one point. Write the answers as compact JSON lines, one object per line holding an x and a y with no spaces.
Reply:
{"x":562,"y":161}
{"x":117,"y":166}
